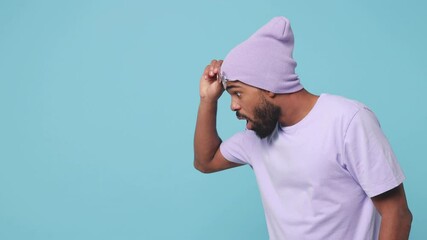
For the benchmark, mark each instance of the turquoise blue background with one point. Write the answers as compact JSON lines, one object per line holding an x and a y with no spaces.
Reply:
{"x":98,"y":102}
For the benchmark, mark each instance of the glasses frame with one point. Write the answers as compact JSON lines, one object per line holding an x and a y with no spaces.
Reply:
{"x":221,"y":77}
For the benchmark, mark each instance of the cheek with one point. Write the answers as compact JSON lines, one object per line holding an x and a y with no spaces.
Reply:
{"x":252,"y":104}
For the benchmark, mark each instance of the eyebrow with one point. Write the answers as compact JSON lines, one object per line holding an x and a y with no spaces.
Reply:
{"x":232,"y":86}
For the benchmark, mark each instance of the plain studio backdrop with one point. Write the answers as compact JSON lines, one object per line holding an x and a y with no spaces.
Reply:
{"x":98,"y":103}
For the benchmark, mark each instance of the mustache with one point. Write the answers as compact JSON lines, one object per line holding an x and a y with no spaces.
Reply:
{"x":240,"y":116}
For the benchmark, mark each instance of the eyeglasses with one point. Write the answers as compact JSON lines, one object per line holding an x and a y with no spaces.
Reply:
{"x":221,"y":77}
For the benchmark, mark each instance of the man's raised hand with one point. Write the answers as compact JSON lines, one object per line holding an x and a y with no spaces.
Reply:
{"x":210,"y":88}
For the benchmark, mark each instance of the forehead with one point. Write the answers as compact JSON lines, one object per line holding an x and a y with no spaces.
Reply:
{"x":237,"y":84}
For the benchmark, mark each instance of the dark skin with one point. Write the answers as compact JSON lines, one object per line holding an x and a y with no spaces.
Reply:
{"x":396,"y":217}
{"x":207,"y":157}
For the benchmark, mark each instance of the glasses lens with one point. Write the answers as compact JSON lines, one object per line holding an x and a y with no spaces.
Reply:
{"x":223,"y":80}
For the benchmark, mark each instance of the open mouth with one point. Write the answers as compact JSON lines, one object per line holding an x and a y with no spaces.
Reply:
{"x":241,"y":117}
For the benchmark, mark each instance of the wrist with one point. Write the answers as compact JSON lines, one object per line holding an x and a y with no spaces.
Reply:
{"x":208,"y":100}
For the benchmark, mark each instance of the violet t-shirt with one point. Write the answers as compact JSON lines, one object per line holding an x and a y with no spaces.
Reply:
{"x":316,"y":177}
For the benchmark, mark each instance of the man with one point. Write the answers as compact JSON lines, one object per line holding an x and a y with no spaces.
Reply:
{"x":323,"y":165}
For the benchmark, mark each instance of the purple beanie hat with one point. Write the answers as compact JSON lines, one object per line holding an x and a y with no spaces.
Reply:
{"x":265,"y":60}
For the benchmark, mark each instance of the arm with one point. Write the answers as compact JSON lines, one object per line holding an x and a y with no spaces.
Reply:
{"x":207,"y":157}
{"x":396,"y":217}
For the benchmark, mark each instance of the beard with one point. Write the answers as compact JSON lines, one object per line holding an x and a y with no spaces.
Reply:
{"x":265,"y":119}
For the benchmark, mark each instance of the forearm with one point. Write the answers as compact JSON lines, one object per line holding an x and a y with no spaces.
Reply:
{"x":396,"y":226}
{"x":206,"y":139}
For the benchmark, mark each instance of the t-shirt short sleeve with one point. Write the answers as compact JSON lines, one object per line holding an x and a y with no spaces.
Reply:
{"x":236,"y":149}
{"x":368,"y":155}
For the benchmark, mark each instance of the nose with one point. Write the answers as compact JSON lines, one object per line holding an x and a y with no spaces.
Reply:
{"x":234,"y":106}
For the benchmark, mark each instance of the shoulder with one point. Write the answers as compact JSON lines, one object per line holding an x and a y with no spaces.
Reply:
{"x":340,"y":113}
{"x":340,"y":107}
{"x":245,"y":137}
{"x":342,"y":104}
{"x":240,"y":146}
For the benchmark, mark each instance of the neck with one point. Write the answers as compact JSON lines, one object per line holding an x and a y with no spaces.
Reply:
{"x":295,"y":106}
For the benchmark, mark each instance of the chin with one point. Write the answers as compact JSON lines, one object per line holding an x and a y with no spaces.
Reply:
{"x":263,"y":134}
{"x":263,"y":130}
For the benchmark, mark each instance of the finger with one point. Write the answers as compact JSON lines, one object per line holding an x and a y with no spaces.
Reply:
{"x":212,"y":68}
{"x":206,"y":72}
{"x":218,"y":64}
{"x":209,"y":72}
{"x":217,"y":68}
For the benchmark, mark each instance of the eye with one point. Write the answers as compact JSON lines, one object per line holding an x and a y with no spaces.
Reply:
{"x":238,"y":94}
